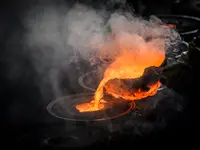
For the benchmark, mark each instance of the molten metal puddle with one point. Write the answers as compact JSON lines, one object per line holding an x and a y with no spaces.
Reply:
{"x":65,"y":108}
{"x":89,"y":107}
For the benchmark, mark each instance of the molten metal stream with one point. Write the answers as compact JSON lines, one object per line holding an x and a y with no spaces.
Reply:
{"x":129,"y":65}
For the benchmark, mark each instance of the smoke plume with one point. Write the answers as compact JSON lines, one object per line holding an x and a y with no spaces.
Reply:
{"x":66,"y":38}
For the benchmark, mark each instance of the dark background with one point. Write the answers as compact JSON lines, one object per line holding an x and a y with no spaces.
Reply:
{"x":21,"y":104}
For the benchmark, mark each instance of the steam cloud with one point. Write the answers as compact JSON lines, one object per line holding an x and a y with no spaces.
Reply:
{"x":65,"y":40}
{"x":62,"y":37}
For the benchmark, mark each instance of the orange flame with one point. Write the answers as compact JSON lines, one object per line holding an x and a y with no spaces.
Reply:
{"x":128,"y":65}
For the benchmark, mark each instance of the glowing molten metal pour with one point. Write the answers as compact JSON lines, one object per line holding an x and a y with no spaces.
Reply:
{"x":128,"y":65}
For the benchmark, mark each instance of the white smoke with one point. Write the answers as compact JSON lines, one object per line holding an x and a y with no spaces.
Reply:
{"x":59,"y":36}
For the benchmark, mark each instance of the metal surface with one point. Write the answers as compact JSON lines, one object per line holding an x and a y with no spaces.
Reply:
{"x":180,"y":20}
{"x":65,"y":108}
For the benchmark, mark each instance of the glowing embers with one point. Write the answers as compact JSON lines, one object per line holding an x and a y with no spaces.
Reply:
{"x":65,"y":108}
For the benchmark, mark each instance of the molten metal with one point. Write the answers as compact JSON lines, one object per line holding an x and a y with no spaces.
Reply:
{"x":132,"y":94}
{"x":89,"y":107}
{"x":130,"y":64}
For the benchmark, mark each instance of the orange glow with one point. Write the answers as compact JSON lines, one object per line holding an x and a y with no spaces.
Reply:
{"x":118,"y":91}
{"x":170,"y":25}
{"x":89,"y":107}
{"x":130,"y":64}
